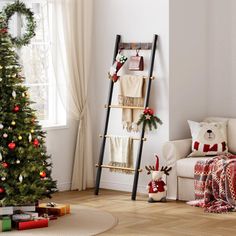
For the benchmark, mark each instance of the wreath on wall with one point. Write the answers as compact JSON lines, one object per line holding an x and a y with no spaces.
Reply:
{"x":20,"y":7}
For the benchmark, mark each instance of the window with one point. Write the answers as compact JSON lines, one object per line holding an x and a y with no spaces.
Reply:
{"x":38,"y":68}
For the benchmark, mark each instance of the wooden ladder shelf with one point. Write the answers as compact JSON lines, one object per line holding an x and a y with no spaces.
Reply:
{"x":126,"y":46}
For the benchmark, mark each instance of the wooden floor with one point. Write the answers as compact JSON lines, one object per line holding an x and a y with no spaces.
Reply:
{"x":142,"y":218}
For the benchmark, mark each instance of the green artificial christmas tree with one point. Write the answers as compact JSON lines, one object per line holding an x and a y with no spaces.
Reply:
{"x":25,"y":167}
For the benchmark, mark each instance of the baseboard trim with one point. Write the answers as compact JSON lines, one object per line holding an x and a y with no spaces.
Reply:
{"x":122,"y":187}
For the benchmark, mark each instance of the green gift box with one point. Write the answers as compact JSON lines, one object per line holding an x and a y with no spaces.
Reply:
{"x":5,"y":223}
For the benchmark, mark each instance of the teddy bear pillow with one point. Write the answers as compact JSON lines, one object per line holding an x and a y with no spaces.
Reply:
{"x":208,"y":138}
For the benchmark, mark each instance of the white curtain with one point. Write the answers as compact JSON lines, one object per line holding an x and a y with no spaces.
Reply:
{"x":72,"y":36}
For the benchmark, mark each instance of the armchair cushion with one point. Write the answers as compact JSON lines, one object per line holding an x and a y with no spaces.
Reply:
{"x":185,"y":166}
{"x":173,"y":151}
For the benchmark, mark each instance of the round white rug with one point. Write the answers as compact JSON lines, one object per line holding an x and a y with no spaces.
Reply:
{"x":82,"y":221}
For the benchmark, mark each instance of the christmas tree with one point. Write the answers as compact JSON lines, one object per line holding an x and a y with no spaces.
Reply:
{"x":25,"y":167}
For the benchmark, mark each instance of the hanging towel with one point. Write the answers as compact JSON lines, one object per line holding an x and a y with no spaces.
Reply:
{"x":121,"y":153}
{"x":132,"y":90}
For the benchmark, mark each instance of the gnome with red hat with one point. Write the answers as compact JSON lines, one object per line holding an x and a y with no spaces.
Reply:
{"x":157,"y":187}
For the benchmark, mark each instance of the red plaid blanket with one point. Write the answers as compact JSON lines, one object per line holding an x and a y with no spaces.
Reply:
{"x":215,"y":184}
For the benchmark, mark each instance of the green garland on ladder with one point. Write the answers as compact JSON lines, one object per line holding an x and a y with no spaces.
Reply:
{"x":148,"y":118}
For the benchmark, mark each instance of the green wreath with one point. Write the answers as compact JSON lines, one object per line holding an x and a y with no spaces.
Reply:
{"x":20,"y":7}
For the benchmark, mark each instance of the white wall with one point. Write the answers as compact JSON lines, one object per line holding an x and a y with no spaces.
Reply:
{"x":188,"y":64}
{"x":60,"y":145}
{"x":135,"y":20}
{"x":222,"y":58}
{"x":197,"y":44}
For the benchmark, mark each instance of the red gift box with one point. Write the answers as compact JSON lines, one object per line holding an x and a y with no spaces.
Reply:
{"x":32,"y":224}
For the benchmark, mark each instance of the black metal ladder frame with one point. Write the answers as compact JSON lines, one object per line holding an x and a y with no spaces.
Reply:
{"x":127,"y":46}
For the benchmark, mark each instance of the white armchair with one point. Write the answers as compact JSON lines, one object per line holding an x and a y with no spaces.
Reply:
{"x":180,"y":182}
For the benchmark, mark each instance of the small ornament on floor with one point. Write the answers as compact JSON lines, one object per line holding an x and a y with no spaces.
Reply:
{"x":157,"y":187}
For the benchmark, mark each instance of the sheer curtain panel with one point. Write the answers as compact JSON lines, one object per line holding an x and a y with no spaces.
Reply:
{"x":72,"y":32}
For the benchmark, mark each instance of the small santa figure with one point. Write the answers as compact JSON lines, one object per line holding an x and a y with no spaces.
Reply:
{"x":157,"y":187}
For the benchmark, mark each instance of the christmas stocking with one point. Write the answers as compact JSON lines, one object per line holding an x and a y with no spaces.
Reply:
{"x":120,"y":61}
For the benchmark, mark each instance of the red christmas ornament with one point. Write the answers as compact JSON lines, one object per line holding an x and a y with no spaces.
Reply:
{"x":42,"y":174}
{"x":16,"y":108}
{"x":4,"y":30}
{"x":12,"y":145}
{"x":5,"y":164}
{"x":36,"y":142}
{"x":2,"y":190}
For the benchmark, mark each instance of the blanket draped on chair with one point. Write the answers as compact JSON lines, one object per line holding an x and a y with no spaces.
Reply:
{"x":215,"y":184}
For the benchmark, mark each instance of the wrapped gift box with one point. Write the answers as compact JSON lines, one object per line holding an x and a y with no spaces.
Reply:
{"x":6,"y":210}
{"x":24,"y":208}
{"x":5,"y":223}
{"x":56,"y":210}
{"x":31,"y":224}
{"x":21,"y":216}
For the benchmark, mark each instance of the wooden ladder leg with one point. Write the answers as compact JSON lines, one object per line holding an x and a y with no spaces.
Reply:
{"x":138,"y":160}
{"x":103,"y":144}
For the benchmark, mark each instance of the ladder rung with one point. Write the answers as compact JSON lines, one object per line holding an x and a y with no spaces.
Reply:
{"x":124,"y":107}
{"x":145,"y":77}
{"x":134,"y":138}
{"x":152,"y":78}
{"x":118,"y":167}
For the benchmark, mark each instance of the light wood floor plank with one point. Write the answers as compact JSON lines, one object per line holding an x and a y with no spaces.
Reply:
{"x":173,"y":218}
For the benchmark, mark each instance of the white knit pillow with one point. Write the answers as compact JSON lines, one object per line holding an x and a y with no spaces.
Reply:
{"x":208,"y":138}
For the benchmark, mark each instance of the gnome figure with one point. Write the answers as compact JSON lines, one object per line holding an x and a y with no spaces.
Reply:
{"x":157,"y":187}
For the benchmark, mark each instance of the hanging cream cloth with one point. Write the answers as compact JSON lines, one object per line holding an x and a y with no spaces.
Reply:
{"x":121,"y":153}
{"x":132,"y":90}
